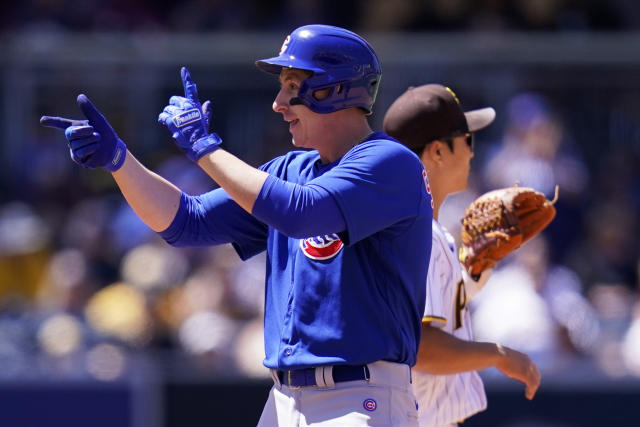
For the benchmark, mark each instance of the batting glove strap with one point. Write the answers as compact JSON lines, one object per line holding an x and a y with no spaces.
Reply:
{"x":119,"y":155}
{"x":203,"y":146}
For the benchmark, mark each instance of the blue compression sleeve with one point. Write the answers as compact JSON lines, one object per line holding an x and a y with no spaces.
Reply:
{"x":298,"y":211}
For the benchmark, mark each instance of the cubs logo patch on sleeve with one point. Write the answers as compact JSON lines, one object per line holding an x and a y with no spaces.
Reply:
{"x":321,"y":247}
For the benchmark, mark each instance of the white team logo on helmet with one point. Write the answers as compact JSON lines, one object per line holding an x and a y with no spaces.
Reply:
{"x":321,"y":247}
{"x":285,"y":45}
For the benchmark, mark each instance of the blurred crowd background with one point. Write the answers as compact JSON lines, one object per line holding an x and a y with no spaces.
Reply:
{"x":88,"y":293}
{"x":360,"y":15}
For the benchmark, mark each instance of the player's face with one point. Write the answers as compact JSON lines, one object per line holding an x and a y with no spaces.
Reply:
{"x":458,"y":162}
{"x":306,"y":127}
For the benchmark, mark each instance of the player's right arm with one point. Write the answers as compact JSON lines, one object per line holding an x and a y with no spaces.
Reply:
{"x":441,"y":353}
{"x":94,"y":144}
{"x":154,"y":199}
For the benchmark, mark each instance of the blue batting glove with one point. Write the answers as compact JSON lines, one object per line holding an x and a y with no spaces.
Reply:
{"x":188,"y":121}
{"x":93,"y":142}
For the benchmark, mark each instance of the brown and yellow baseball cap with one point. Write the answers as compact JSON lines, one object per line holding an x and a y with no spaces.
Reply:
{"x":429,"y":112}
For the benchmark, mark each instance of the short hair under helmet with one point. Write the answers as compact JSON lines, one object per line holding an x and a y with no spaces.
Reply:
{"x":339,"y":59}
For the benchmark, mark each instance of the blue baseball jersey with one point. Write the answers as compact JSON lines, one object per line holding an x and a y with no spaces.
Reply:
{"x":351,"y":292}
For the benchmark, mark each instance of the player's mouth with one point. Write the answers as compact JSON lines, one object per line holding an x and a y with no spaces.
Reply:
{"x":293,"y":123}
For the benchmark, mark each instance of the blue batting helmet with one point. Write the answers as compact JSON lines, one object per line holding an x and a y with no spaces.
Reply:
{"x":339,"y":59}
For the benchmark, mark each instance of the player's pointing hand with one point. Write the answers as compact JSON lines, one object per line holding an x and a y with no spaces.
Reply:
{"x":188,"y":121}
{"x":93,"y":142}
{"x":60,"y":122}
{"x":190,"y":89}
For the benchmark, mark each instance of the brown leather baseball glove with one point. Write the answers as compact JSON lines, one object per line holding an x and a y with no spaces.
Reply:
{"x":498,"y":222}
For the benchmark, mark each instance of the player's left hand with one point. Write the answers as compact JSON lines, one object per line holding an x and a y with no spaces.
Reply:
{"x":520,"y":367}
{"x":188,"y":121}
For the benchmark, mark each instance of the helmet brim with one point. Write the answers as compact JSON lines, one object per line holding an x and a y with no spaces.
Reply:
{"x":276,"y":64}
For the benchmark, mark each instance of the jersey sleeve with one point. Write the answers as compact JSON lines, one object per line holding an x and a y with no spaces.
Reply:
{"x":212,"y":219}
{"x":376,"y":184}
{"x":297,"y":211}
{"x":434,"y":305}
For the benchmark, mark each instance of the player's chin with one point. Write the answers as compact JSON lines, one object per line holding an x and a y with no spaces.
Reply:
{"x":298,"y":140}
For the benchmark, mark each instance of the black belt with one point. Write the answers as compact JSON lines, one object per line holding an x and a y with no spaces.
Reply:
{"x":307,"y":377}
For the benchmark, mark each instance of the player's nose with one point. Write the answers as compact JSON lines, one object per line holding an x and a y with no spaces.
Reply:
{"x":281,"y":103}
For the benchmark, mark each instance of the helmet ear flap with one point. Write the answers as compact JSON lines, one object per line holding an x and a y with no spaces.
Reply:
{"x":328,"y":92}
{"x":374,"y":85}
{"x":323,"y":96}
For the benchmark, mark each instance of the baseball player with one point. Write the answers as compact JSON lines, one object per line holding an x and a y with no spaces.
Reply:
{"x":346,"y":226}
{"x":429,"y":120}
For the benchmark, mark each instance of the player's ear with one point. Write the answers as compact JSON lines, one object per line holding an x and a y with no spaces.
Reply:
{"x":433,"y":151}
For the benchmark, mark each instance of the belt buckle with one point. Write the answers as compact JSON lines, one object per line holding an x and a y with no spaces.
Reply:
{"x":291,"y":387}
